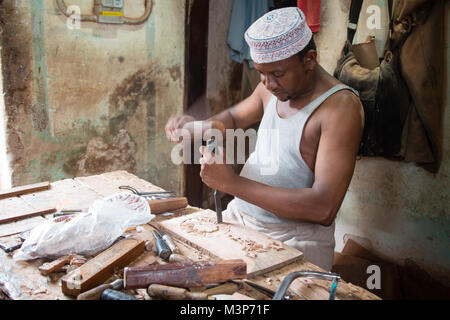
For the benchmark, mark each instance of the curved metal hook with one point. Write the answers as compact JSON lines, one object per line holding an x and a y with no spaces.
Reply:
{"x":281,"y":293}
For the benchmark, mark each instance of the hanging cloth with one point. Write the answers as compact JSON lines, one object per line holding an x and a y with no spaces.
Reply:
{"x":243,"y":14}
{"x":311,"y":9}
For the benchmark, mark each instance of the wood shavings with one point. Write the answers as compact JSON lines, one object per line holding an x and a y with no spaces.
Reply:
{"x":278,"y":246}
{"x":202,"y":225}
{"x":148,"y":245}
{"x":251,"y":248}
{"x":54,"y":277}
{"x":26,"y":289}
{"x":306,"y":281}
{"x":141,"y":294}
{"x":70,"y":268}
{"x":78,"y":261}
{"x":40,"y":291}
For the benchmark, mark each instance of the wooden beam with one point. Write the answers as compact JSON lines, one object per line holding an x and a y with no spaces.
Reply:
{"x":185,"y":275}
{"x":97,"y":270}
{"x":167,"y":205}
{"x":25,"y":215}
{"x":18,"y":191}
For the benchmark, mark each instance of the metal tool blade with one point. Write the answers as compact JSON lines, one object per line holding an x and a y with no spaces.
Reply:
{"x":212,"y":146}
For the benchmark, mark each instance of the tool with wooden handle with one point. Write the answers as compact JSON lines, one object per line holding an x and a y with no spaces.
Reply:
{"x":168,"y":241}
{"x":96,"y":293}
{"x":174,"y":258}
{"x":167,"y":205}
{"x":174,"y":293}
{"x":110,"y":294}
{"x":185,"y":275}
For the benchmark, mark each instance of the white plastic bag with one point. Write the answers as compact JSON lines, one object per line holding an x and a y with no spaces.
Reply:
{"x":88,"y":232}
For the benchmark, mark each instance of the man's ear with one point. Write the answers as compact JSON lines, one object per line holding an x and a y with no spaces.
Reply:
{"x":310,"y":60}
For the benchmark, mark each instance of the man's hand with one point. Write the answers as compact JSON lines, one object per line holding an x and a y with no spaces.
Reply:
{"x":176,"y":123}
{"x":214,"y":172}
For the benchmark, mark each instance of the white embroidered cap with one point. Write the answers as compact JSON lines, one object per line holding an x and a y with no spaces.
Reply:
{"x":278,"y":35}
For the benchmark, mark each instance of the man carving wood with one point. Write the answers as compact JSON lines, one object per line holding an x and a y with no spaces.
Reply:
{"x":313,"y":126}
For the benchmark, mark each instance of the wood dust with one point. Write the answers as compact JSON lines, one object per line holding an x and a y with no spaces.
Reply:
{"x":204,"y":226}
{"x":201,"y":226}
{"x":252,"y":248}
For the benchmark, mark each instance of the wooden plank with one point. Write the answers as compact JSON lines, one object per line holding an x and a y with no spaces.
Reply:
{"x":107,"y":184}
{"x":18,"y":191}
{"x":185,"y":275}
{"x":13,"y":228}
{"x":25,"y":215}
{"x":11,"y":206}
{"x":121,"y":178}
{"x":97,"y":270}
{"x":101,"y":185}
{"x":230,"y":241}
{"x":66,"y":194}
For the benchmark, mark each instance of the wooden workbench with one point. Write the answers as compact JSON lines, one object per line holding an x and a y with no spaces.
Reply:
{"x":23,"y":281}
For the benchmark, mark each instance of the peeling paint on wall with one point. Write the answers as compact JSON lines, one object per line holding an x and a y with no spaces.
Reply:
{"x":102,"y":157}
{"x":39,"y":110}
{"x":131,"y":93}
{"x":67,"y":89}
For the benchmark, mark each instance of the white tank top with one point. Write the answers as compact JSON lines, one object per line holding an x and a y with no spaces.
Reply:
{"x":276,"y":160}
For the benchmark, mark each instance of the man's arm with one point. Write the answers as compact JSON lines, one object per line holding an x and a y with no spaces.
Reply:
{"x":242,"y":115}
{"x":341,"y":131}
{"x":245,"y":113}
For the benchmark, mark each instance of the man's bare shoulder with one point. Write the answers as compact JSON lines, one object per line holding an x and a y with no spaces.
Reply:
{"x":262,"y":94}
{"x":343,"y":105}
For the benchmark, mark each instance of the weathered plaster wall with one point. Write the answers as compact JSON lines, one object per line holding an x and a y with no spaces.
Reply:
{"x":85,"y":101}
{"x":401,"y":208}
{"x":224,"y":75}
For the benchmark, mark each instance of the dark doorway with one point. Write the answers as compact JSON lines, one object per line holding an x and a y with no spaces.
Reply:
{"x":198,"y":49}
{"x":196,"y":100}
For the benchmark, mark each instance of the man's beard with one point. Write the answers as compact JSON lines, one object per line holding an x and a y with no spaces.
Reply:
{"x":285,"y":99}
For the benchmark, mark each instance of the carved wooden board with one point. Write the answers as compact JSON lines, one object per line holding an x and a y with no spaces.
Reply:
{"x":230,"y":241}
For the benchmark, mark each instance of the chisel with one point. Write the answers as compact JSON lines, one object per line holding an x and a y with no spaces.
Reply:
{"x":168,"y":241}
{"x":96,"y":293}
{"x":212,"y":146}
